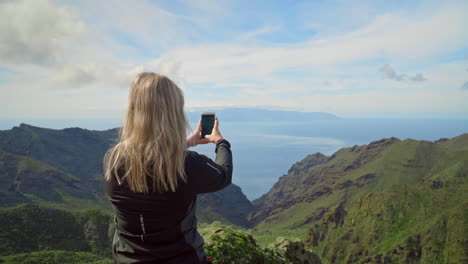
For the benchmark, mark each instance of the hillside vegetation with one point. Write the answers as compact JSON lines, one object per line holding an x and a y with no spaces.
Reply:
{"x":38,"y":234}
{"x":390,"y":201}
{"x":29,"y":228}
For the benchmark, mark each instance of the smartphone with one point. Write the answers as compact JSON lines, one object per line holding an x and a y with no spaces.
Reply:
{"x":208,"y":119}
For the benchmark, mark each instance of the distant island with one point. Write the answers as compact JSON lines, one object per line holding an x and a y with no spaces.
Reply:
{"x":226,"y":115}
{"x":258,"y":114}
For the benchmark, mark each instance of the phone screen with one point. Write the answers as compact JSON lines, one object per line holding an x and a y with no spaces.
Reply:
{"x":208,"y":119}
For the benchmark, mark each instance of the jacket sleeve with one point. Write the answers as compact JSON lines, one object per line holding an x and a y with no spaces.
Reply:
{"x":211,"y":176}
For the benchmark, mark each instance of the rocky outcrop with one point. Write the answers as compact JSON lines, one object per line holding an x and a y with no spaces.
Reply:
{"x":332,"y":219}
{"x":308,"y":162}
{"x":294,"y":250}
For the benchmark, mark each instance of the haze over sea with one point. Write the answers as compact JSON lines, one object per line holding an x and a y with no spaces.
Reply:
{"x":264,"y":151}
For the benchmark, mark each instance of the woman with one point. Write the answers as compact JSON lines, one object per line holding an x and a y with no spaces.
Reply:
{"x":152,"y":180}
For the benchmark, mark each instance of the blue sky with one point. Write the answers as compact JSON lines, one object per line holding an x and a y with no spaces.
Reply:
{"x":76,"y":59}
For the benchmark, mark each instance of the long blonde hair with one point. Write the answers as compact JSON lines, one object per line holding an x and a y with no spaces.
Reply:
{"x":152,"y":140}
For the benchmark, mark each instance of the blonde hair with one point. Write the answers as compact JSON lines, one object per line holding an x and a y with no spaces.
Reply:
{"x":152,"y":140}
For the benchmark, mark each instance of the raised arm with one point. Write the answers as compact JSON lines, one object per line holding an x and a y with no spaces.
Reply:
{"x":207,"y":175}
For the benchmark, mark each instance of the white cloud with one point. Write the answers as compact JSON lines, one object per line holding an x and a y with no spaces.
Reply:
{"x":400,"y":38}
{"x":264,"y":30}
{"x":389,"y":72}
{"x":36,"y":32}
{"x":105,"y":48}
{"x":140,"y":23}
{"x":73,"y":77}
{"x":206,"y":13}
{"x":465,"y":86}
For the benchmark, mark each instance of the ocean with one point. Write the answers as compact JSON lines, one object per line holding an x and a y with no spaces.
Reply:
{"x":264,"y":151}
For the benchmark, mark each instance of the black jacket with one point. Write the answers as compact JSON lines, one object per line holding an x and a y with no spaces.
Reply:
{"x":162,"y":228}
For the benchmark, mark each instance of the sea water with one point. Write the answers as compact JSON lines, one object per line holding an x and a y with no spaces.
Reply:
{"x":264,"y":151}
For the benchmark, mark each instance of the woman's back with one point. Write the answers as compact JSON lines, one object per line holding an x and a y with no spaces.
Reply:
{"x":161,"y":227}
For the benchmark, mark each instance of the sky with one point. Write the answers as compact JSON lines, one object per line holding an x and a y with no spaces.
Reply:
{"x":76,"y":59}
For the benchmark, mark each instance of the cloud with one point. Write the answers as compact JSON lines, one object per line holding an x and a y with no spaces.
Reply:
{"x":230,"y":62}
{"x":206,"y":14}
{"x":74,"y":77}
{"x":143,"y":25}
{"x":264,"y":30}
{"x":465,"y":86}
{"x":221,"y":59}
{"x":36,"y":32}
{"x":417,"y":78}
{"x":169,"y":37}
{"x":389,"y":72}
{"x":47,"y":38}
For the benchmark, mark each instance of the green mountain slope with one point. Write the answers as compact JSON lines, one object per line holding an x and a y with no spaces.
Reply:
{"x":73,"y":150}
{"x":55,"y":257}
{"x":390,"y":201}
{"x":63,"y":168}
{"x":28,"y":228}
{"x":25,"y":180}
{"x":229,"y":205}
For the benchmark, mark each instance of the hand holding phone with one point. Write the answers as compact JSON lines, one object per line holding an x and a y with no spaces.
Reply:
{"x":195,"y":137}
{"x":208,"y":120}
{"x":207,"y":130}
{"x":210,"y":129}
{"x":215,"y":133}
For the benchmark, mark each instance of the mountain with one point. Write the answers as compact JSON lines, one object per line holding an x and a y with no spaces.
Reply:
{"x":75,"y":150}
{"x":228,"y":205}
{"x":390,"y":201}
{"x":63,"y":168}
{"x":256,"y":114}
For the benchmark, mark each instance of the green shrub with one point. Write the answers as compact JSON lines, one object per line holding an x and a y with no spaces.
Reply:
{"x":228,"y":246}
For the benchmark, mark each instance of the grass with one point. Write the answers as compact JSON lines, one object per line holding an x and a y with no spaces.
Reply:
{"x":55,"y":257}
